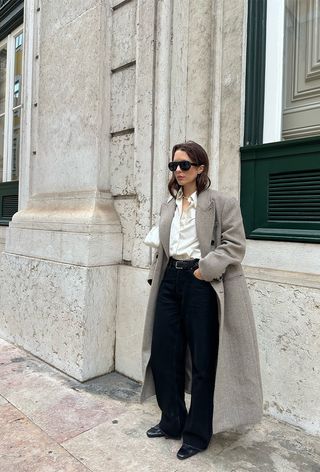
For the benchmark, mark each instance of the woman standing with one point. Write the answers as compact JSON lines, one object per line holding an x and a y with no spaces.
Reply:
{"x":199,"y":313}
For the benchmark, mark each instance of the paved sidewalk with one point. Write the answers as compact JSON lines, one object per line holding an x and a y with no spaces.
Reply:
{"x":49,"y":422}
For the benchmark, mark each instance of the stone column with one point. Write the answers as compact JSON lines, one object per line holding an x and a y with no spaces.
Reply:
{"x":191,"y":71}
{"x":60,"y":265}
{"x":229,"y":32}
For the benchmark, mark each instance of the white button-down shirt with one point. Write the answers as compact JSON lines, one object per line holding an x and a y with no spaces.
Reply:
{"x":184,"y":243}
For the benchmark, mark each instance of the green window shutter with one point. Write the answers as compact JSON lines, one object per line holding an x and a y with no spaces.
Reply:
{"x":280,"y":182}
{"x":294,"y":196}
{"x":280,"y":190}
{"x":255,"y":66}
{"x":8,"y":201}
{"x":11,"y":16}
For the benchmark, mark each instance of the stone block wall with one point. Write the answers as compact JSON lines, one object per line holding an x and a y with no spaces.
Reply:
{"x":286,"y":307}
{"x":153,"y":73}
{"x":3,"y":233}
{"x":199,"y":94}
{"x":122,"y":118}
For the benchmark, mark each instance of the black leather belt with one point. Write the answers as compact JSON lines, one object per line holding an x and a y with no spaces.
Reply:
{"x":186,"y":264}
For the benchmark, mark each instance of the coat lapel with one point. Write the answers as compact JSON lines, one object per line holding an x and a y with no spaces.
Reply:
{"x":167,"y":213}
{"x":205,"y":218}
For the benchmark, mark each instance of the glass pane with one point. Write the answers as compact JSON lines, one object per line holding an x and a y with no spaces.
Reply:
{"x":3,"y":71}
{"x":15,"y":144}
{"x":1,"y":145}
{"x":301,"y":78}
{"x":17,"y":83}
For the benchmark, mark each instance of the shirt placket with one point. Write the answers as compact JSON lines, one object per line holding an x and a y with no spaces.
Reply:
{"x":183,"y":220}
{"x":179,"y":226}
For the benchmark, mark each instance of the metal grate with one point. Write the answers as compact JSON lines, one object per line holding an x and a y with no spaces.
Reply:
{"x":9,"y":205}
{"x":294,"y":196}
{"x":3,"y":2}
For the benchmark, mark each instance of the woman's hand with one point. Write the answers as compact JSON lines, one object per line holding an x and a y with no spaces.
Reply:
{"x":197,"y":274}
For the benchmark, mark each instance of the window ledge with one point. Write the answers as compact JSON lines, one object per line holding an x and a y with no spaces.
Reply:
{"x":285,"y":256}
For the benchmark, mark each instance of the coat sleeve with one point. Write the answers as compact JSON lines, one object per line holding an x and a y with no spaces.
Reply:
{"x":233,"y":243}
{"x":152,"y":267}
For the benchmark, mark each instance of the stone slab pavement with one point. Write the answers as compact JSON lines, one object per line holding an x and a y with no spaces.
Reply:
{"x":50,"y":422}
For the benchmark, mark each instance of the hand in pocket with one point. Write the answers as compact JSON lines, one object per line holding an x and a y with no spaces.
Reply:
{"x":197,"y":274}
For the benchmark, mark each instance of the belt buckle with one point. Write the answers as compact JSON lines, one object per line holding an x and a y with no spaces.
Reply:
{"x":176,"y":265}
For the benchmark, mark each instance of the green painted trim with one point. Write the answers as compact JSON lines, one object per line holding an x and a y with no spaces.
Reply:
{"x":255,"y":71}
{"x":6,"y":189}
{"x":257,"y":163}
{"x":11,"y":16}
{"x":294,"y":147}
{"x":259,"y":160}
{"x":282,"y":144}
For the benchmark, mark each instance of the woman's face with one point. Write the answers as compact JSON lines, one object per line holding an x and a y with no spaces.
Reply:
{"x":186,"y":176}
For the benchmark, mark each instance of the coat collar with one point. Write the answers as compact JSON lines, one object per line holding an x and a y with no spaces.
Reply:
{"x":205,"y":217}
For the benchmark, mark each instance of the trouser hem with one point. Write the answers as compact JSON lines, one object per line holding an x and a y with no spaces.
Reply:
{"x":194,"y":447}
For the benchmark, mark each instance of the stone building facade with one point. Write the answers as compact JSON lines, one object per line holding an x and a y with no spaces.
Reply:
{"x":108,"y":87}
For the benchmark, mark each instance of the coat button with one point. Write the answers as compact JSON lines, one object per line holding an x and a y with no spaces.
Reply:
{"x":212,"y":242}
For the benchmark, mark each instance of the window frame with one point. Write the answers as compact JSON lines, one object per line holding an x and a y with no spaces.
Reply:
{"x":255,"y":153}
{"x":9,"y":102}
{"x":11,"y":23}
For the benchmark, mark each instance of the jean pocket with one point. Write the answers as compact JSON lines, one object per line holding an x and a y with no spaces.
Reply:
{"x":199,"y":280}
{"x":193,"y":271}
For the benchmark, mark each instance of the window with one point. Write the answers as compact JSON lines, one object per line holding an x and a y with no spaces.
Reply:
{"x":11,"y":76}
{"x":280,"y":159}
{"x":10,"y":105}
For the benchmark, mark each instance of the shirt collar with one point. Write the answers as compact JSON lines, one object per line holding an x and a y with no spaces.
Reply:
{"x":192,"y":199}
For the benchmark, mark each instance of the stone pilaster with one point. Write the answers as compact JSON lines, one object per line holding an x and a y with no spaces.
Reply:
{"x":60,"y":265}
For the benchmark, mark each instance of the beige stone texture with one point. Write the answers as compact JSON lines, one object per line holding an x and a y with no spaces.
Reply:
{"x":191,"y":71}
{"x":3,"y":235}
{"x":123,"y":48}
{"x":3,"y":401}
{"x":122,"y":99}
{"x":118,"y":3}
{"x":52,"y":423}
{"x":122,"y":165}
{"x":57,"y":17}
{"x":179,"y":67}
{"x":64,"y":314}
{"x":198,"y":91}
{"x":288,"y":325}
{"x":228,"y":452}
{"x":143,"y":139}
{"x":25,"y":447}
{"x":68,"y":102}
{"x":296,"y":257}
{"x":59,"y":268}
{"x":228,"y":34}
{"x":162,"y":110}
{"x":126,"y":208}
{"x":133,"y":291}
{"x":60,"y":413}
{"x":74,"y":227}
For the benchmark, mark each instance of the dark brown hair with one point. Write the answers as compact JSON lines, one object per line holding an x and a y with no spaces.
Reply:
{"x":198,"y":156}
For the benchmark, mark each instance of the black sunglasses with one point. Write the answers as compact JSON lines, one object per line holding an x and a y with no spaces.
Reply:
{"x":184,"y":165}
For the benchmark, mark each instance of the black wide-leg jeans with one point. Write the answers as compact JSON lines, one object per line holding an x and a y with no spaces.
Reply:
{"x":186,"y":315}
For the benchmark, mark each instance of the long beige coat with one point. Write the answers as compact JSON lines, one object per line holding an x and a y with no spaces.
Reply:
{"x":238,"y":389}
